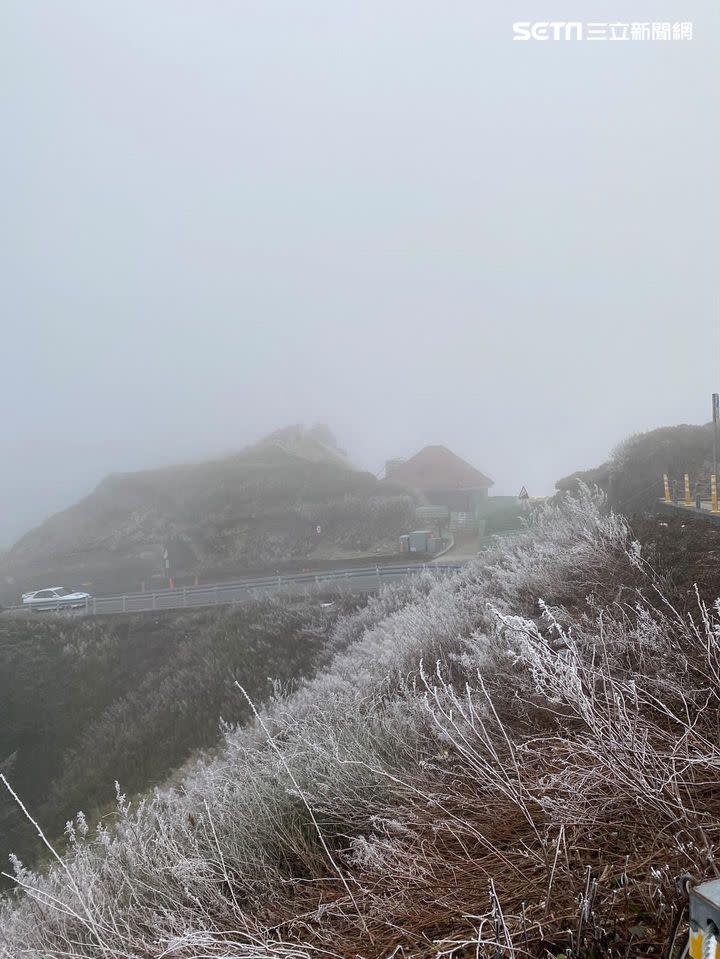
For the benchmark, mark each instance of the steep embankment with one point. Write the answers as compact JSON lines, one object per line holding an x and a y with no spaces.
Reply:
{"x":236,"y":514}
{"x":519,"y":761}
{"x":85,"y":702}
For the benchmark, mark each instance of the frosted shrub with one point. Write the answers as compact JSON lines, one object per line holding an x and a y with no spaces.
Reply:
{"x":510,"y":760}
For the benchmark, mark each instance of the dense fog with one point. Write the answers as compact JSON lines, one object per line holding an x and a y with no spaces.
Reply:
{"x":220,"y":219}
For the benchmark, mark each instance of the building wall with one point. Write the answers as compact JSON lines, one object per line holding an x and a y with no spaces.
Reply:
{"x":392,"y":466}
{"x":457,"y":500}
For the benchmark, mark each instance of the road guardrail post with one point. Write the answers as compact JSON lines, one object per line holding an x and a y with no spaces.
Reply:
{"x":124,"y":601}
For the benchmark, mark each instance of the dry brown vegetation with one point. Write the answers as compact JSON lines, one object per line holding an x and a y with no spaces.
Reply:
{"x":518,"y":762}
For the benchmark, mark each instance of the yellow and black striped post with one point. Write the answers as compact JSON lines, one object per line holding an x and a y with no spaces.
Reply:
{"x":713,"y":494}
{"x":688,"y":501}
{"x":666,"y":485}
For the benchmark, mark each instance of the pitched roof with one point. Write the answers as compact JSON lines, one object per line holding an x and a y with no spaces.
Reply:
{"x":437,"y":467}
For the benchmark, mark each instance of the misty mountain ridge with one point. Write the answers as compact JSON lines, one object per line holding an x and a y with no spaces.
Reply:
{"x":632,"y":477}
{"x":258,"y":506}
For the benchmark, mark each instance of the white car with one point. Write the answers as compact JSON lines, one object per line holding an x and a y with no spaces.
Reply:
{"x":56,"y":597}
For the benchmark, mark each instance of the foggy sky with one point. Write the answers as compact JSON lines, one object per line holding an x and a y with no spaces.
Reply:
{"x":220,"y":218}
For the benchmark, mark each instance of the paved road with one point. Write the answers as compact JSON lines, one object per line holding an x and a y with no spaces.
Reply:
{"x":362,"y":580}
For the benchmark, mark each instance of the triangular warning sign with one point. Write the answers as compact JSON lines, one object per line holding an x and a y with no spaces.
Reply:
{"x":523,"y":494}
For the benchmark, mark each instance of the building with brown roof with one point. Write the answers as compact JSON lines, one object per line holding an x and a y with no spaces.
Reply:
{"x":443,"y":479}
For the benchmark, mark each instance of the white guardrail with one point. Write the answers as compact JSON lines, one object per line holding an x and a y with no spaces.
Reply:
{"x":365,"y":579}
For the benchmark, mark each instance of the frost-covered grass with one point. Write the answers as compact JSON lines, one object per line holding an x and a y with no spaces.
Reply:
{"x":86,"y":701}
{"x":514,"y":761}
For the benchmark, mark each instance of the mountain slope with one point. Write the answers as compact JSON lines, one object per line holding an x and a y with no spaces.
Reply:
{"x":633,"y":475}
{"x":519,"y":761}
{"x":85,"y":702}
{"x":257,"y":507}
